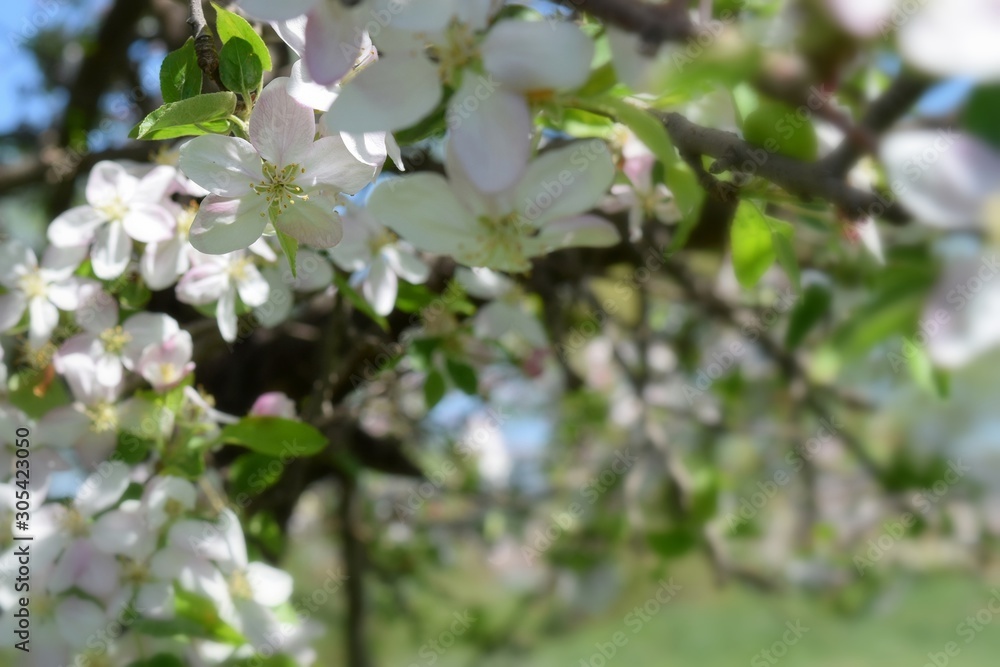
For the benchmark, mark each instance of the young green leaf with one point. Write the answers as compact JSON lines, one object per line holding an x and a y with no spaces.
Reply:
{"x":202,"y":114}
{"x":463,"y":375}
{"x":782,"y":234}
{"x":230,"y":25}
{"x":180,"y":76}
{"x":275,"y":436}
{"x":752,"y":244}
{"x":239,"y":67}
{"x":434,"y":389}
{"x":289,"y":245}
{"x":646,"y":127}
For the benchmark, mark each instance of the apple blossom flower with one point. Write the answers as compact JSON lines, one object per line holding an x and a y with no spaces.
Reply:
{"x":115,"y":347}
{"x":505,"y":314}
{"x":377,"y":257}
{"x":642,"y":197}
{"x":219,"y":279}
{"x":120,"y":208}
{"x":42,"y":291}
{"x":165,"y":364}
{"x":314,"y":274}
{"x":274,"y":404}
{"x":45,"y":459}
{"x":163,"y":262}
{"x":503,"y":231}
{"x":281,"y":175}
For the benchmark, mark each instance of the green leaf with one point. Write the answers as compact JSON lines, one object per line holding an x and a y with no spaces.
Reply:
{"x":35,"y":392}
{"x":230,"y":25}
{"x":782,"y":234}
{"x":601,"y":79}
{"x":180,"y":76}
{"x":358,"y":301}
{"x":254,"y":473}
{"x":239,"y":67}
{"x":275,"y":436}
{"x":201,"y":610}
{"x":646,"y":127}
{"x":982,"y":113}
{"x":673,"y":543}
{"x":289,"y":245}
{"x":203,"y":114}
{"x":752,"y":244}
{"x":434,"y":388}
{"x":463,"y":375}
{"x":813,"y":305}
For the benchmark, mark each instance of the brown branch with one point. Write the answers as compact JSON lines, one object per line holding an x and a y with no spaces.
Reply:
{"x":806,"y":180}
{"x":204,"y":43}
{"x":653,"y":23}
{"x":902,"y":94}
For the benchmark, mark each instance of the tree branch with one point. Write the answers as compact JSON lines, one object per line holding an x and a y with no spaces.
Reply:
{"x":654,"y":24}
{"x":204,"y":43}
{"x":806,"y":180}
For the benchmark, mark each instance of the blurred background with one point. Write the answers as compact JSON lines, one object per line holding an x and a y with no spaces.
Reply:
{"x":644,"y":491}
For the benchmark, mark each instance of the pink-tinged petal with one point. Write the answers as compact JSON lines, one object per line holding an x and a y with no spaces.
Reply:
{"x":226,"y":166}
{"x":109,"y":183}
{"x":44,"y":318}
{"x":12,"y":307}
{"x":76,"y":227}
{"x":59,"y":262}
{"x":388,"y":95}
{"x":585,"y":231}
{"x":406,"y":265}
{"x":225,"y":315}
{"x":281,"y":129}
{"x":203,"y":284}
{"x":943,"y":178}
{"x":536,"y":56}
{"x":103,"y":488}
{"x":293,"y":31}
{"x":94,"y":311}
{"x":162,"y":263}
{"x":864,"y":18}
{"x":952,"y":38}
{"x":306,"y":91}
{"x":84,"y":567}
{"x":424,"y":210}
{"x":380,"y":286}
{"x":490,"y":135}
{"x":275,"y":404}
{"x":269,"y":10}
{"x":329,"y":164}
{"x":111,"y":252}
{"x":313,"y":221}
{"x":565,"y":182}
{"x":145,"y":329}
{"x":332,"y":43}
{"x":166,"y":364}
{"x":78,"y":620}
{"x":252,"y":287}
{"x":149,"y":223}
{"x":227,"y":225}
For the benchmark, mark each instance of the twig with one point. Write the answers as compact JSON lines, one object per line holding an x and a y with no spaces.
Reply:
{"x":653,"y":23}
{"x":204,"y":43}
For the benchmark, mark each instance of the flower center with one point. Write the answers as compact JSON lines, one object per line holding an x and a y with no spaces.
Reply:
{"x":239,"y":585}
{"x":135,"y":572}
{"x":381,"y":240}
{"x":115,"y":210}
{"x":103,"y":417}
{"x":75,"y":524}
{"x":279,"y":188}
{"x":458,"y":49}
{"x":184,"y":221}
{"x":169,"y":373}
{"x":33,"y":285}
{"x":500,"y":241}
{"x":114,"y":340}
{"x":239,"y":269}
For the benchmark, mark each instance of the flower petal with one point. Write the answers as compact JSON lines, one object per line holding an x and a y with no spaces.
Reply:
{"x":111,"y":252}
{"x":536,"y":56}
{"x":313,"y":221}
{"x":565,"y":182}
{"x":269,"y":10}
{"x":332,"y":42}
{"x":12,"y":307}
{"x":380,"y":286}
{"x":103,"y":488}
{"x":109,"y":183}
{"x":306,"y":91}
{"x":406,"y":265}
{"x":148,"y":223}
{"x":281,"y":129}
{"x":203,"y":284}
{"x":953,"y":38}
{"x":388,"y":95}
{"x":226,"y":166}
{"x":490,"y":134}
{"x":328,"y":162}
{"x":225,"y":315}
{"x":76,"y":226}
{"x":424,"y":210}
{"x":162,"y":263}
{"x":252,"y":287}
{"x":227,"y":225}
{"x":586,"y":231}
{"x":44,"y":318}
